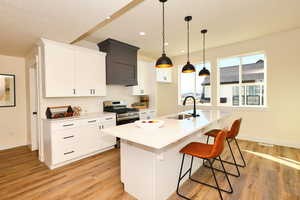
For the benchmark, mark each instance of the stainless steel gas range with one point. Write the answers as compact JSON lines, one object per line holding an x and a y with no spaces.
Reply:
{"x":124,"y":115}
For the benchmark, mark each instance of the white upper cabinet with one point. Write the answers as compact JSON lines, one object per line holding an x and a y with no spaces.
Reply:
{"x":164,"y":75}
{"x":90,"y":72}
{"x":71,"y":71}
{"x":144,"y":72}
{"x":58,"y":70}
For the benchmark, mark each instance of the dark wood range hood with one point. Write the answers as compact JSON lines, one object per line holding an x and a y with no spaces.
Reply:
{"x":121,"y":62}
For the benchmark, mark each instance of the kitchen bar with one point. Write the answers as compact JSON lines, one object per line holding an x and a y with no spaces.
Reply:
{"x":150,"y":158}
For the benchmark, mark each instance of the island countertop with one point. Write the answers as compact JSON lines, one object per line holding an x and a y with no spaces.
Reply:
{"x":172,"y":130}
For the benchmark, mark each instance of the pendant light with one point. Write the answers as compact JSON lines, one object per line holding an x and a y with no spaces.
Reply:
{"x":204,"y":71}
{"x":188,"y":68}
{"x":163,"y":61}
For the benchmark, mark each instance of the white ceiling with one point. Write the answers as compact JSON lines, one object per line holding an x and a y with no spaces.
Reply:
{"x":22,"y":22}
{"x":227,"y":21}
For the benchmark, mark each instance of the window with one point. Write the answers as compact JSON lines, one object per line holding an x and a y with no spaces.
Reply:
{"x":193,"y":85}
{"x":242,"y":81}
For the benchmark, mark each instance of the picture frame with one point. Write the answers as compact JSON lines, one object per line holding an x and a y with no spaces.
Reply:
{"x":7,"y":90}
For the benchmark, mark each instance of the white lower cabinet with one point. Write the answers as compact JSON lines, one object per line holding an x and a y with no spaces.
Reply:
{"x":147,"y":114}
{"x":65,"y":142}
{"x":107,"y":122}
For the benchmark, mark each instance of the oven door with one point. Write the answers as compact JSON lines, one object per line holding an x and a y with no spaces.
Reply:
{"x":126,"y":121}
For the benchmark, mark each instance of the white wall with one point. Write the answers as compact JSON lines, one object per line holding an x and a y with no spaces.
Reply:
{"x":279,"y":122}
{"x":13,"y":119}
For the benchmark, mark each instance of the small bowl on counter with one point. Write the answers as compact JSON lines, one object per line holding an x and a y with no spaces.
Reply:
{"x":149,"y":123}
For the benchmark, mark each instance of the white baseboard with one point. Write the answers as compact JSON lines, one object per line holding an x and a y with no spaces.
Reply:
{"x":5,"y":147}
{"x":270,"y":141}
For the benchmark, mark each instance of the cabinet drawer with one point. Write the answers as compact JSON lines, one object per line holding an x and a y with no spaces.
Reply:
{"x":64,"y":153}
{"x":61,"y":138}
{"x":92,"y":121}
{"x":64,"y":125}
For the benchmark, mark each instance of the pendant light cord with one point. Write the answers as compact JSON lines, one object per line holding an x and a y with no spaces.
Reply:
{"x":203,"y":50}
{"x":163,"y":28}
{"x":188,"y":41}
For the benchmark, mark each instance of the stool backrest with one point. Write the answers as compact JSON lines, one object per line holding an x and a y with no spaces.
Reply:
{"x":218,"y":146}
{"x":235,"y":128}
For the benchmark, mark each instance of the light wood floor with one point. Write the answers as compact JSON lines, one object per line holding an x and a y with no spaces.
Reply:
{"x":273,"y":173}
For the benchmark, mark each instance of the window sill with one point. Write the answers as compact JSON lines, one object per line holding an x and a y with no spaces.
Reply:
{"x":229,"y":108}
{"x":237,"y":108}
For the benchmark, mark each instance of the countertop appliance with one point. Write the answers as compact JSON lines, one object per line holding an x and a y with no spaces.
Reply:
{"x":124,"y":115}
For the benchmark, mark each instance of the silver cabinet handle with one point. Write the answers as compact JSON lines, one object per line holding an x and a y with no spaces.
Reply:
{"x":66,"y":125}
{"x":69,"y":152}
{"x":108,"y":118}
{"x":71,"y":136}
{"x":92,"y":121}
{"x":74,"y":91}
{"x":101,"y":127}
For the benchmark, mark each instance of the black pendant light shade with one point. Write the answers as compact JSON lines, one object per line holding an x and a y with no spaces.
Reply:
{"x":204,"y":71}
{"x":188,"y":68}
{"x":163,"y":61}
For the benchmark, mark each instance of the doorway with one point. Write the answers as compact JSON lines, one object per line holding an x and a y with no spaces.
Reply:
{"x":34,"y":106}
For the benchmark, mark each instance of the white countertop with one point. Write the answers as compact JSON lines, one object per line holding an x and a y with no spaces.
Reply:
{"x":83,"y":116}
{"x":172,"y":131}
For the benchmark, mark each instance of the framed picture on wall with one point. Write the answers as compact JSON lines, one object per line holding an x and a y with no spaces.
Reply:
{"x":7,"y":90}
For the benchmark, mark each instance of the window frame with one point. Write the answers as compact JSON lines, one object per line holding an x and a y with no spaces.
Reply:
{"x":179,"y":101}
{"x":240,"y":84}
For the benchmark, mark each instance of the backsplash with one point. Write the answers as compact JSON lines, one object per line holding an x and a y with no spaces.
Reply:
{"x":92,"y":104}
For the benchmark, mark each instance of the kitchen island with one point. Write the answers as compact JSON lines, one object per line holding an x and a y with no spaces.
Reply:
{"x":150,"y":157}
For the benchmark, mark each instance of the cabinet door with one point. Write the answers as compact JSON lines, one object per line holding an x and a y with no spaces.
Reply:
{"x":164,"y":75}
{"x":108,"y":140}
{"x":100,"y":72}
{"x":90,"y":73}
{"x":59,"y":62}
{"x":143,"y":115}
{"x":151,"y":114}
{"x":139,"y":89}
{"x":90,"y":136}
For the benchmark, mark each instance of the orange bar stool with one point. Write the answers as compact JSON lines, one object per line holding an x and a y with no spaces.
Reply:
{"x":207,"y":152}
{"x":231,"y":136}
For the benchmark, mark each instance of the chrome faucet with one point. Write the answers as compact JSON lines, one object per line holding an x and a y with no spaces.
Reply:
{"x":194,"y":112}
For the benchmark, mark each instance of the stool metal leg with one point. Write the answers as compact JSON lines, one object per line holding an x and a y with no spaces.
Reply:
{"x":232,"y":163}
{"x":237,"y":144}
{"x":229,"y":183}
{"x":237,"y":169}
{"x":228,"y":173}
{"x":241,"y":155}
{"x":216,"y":180}
{"x":213,"y":171}
{"x":181,"y":177}
{"x":212,"y":186}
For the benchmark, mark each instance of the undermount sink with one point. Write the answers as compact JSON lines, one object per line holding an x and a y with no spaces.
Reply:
{"x":181,"y":116}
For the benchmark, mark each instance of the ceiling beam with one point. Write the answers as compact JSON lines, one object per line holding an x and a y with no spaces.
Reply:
{"x":114,"y":16}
